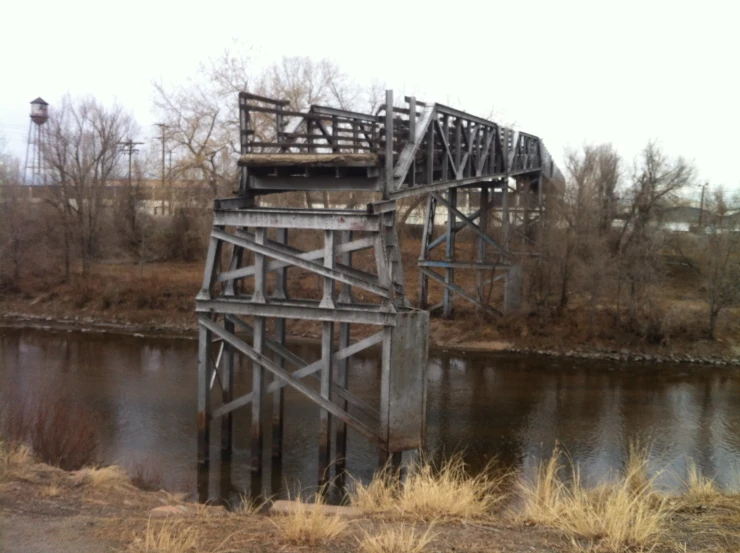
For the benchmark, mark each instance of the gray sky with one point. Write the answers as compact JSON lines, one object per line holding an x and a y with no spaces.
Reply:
{"x":569,"y":71}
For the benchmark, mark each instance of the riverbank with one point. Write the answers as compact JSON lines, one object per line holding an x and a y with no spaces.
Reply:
{"x":44,"y":508}
{"x":729,"y":358}
{"x":158,"y":299}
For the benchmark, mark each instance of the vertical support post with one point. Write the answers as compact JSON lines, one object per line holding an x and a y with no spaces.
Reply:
{"x":334,"y":133}
{"x":213,"y":258}
{"x":450,"y":251}
{"x":342,"y":377}
{"x":429,"y":177}
{"x":481,"y":242}
{"x":243,"y":142}
{"x":327,"y":300}
{"x":204,"y":410}
{"x":445,"y":158}
{"x":227,"y":390}
{"x":327,"y":339}
{"x":412,"y":135}
{"x":385,"y":396}
{"x":259,"y":269}
{"x":389,"y":183}
{"x":513,"y":289}
{"x":412,"y":119}
{"x":506,"y":222}
{"x":458,"y":148}
{"x":258,"y":372}
{"x":278,"y":397}
{"x":258,"y":388}
{"x":426,"y":236}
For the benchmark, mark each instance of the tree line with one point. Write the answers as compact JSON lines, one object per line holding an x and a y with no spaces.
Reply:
{"x":600,"y":245}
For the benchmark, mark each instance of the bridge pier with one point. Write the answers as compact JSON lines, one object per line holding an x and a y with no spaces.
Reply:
{"x":238,"y":304}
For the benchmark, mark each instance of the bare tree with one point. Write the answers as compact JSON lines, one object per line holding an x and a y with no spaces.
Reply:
{"x":135,"y":226}
{"x":16,"y":230}
{"x":202,"y":118}
{"x":721,"y":259}
{"x":82,"y":154}
{"x":655,"y":186}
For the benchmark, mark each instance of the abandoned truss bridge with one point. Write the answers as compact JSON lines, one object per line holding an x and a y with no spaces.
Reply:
{"x":415,"y":150}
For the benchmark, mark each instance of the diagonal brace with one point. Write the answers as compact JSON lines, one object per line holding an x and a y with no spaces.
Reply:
{"x":299,"y":386}
{"x":272,"y":252}
{"x":465,"y":219}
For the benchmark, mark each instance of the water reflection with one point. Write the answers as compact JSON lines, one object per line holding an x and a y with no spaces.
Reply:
{"x":514,"y":408}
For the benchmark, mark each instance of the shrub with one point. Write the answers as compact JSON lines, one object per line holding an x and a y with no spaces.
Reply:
{"x":59,"y":431}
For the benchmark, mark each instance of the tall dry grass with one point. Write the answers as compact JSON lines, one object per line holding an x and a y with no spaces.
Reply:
{"x":171,"y":536}
{"x":307,"y":524}
{"x":698,"y":488}
{"x":109,"y":478}
{"x":396,"y":539}
{"x":621,"y":514}
{"x":59,"y":431}
{"x":430,"y":491}
{"x":14,"y":459}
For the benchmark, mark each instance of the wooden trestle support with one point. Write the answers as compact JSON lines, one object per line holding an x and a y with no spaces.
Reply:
{"x":244,"y":306}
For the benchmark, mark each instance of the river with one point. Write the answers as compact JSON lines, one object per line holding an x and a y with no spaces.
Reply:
{"x":512,"y":407}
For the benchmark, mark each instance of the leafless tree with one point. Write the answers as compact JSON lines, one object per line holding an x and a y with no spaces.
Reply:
{"x":82,"y":153}
{"x":655,"y":186}
{"x":135,"y":226}
{"x":721,"y":259}
{"x":580,"y":222}
{"x":16,"y":229}
{"x":202,"y":118}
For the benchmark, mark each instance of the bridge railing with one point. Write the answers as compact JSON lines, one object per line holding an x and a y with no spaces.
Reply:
{"x":408,"y":148}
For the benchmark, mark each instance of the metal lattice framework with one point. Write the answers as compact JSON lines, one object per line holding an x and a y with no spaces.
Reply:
{"x":425,"y":150}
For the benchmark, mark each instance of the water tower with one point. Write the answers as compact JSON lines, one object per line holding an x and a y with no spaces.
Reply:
{"x":34,"y":170}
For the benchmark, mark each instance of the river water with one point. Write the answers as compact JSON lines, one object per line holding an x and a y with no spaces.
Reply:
{"x":512,"y":407}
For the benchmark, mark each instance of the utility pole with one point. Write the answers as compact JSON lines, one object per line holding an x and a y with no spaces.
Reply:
{"x":701,"y":204}
{"x":163,"y":138}
{"x":129,"y":149}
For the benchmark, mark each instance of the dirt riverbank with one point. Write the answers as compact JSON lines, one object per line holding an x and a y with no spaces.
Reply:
{"x":43,"y":508}
{"x":160,"y":300}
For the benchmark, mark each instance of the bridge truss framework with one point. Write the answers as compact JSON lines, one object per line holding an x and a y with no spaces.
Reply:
{"x":418,"y":149}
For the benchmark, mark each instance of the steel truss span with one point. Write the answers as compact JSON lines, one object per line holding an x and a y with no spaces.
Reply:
{"x":425,"y":152}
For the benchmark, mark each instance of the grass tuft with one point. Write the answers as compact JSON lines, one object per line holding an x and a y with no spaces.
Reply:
{"x":111,"y":477}
{"x":308,"y":524}
{"x":401,"y":539}
{"x":169,"y":537}
{"x":617,"y":515}
{"x":14,"y":460}
{"x":698,"y":487}
{"x":430,"y":492}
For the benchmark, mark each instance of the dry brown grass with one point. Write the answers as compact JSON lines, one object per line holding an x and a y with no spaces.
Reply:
{"x":396,"y":539}
{"x":14,"y":460}
{"x":307,"y":524}
{"x":111,"y":478}
{"x":248,"y":505}
{"x":699,"y":488}
{"x":171,"y":536}
{"x":431,"y":492}
{"x":615,"y":516}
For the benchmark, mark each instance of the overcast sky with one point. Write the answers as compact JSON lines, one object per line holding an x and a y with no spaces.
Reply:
{"x":569,"y":71}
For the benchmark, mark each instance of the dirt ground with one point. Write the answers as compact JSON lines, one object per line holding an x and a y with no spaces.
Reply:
{"x":44,"y":509}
